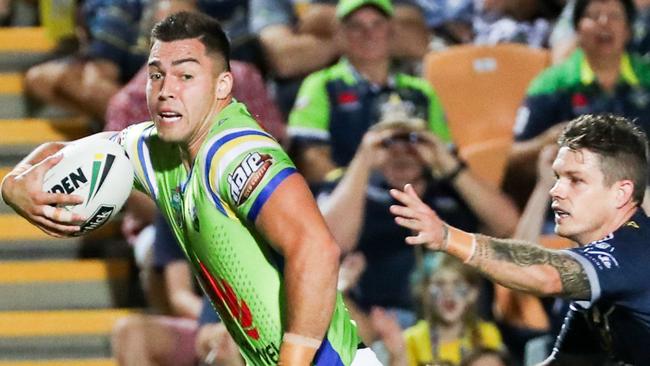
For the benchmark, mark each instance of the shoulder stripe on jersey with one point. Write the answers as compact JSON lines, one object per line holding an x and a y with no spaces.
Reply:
{"x":215,"y":144}
{"x":145,"y":162}
{"x":268,"y":189}
{"x":132,"y":149}
{"x":233,"y":149}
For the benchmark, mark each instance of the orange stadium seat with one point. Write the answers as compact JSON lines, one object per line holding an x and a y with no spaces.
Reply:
{"x":481,"y":88}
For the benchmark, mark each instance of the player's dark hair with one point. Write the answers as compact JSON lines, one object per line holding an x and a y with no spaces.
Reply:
{"x":620,"y":143}
{"x":187,"y":25}
{"x":581,"y":6}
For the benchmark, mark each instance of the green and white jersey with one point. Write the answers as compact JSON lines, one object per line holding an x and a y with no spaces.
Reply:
{"x":212,"y":211}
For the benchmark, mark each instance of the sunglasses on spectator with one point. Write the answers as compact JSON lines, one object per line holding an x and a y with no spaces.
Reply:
{"x":412,"y":138}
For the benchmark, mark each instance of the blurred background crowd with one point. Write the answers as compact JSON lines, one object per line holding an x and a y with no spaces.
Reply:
{"x":463,"y":99}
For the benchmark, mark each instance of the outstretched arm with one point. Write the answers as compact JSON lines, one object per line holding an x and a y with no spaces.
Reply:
{"x":519,"y":265}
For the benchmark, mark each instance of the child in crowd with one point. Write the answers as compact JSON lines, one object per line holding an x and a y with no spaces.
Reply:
{"x":450,"y":328}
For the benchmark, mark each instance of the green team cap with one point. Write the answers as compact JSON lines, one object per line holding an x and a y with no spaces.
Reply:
{"x":346,"y":7}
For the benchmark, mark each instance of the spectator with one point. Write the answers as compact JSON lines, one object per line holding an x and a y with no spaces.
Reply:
{"x":396,"y":151}
{"x":600,"y":76}
{"x":295,"y":47}
{"x":337,"y":105}
{"x":85,"y":81}
{"x":450,"y":329}
{"x":516,"y":21}
{"x":563,"y":37}
{"x":489,"y":21}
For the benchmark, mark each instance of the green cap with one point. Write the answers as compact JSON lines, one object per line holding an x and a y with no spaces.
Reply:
{"x":346,"y":7}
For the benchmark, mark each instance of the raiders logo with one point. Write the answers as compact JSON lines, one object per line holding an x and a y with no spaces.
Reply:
{"x":248,"y":175}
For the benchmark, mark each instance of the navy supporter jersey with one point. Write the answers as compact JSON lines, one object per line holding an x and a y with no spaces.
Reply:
{"x":613,"y":327}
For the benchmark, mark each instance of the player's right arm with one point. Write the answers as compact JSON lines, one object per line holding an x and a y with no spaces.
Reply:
{"x":22,"y":190}
{"x":515,"y":264}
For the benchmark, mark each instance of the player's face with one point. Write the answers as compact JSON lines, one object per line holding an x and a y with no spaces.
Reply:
{"x":451,"y":295}
{"x":583,"y":204}
{"x":366,"y":33}
{"x":603,"y":29}
{"x":181,"y":89}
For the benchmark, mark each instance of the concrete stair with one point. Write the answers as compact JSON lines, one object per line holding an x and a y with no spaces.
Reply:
{"x":58,"y":304}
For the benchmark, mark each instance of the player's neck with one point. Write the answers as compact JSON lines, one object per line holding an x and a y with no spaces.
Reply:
{"x":621,"y":217}
{"x":190,"y":150}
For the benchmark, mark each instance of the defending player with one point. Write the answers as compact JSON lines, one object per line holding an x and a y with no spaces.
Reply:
{"x":601,"y":176}
{"x":244,"y":218}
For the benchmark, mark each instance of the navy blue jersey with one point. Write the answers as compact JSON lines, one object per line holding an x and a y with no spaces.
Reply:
{"x":571,"y":89}
{"x":614,"y":326}
{"x":389,"y":262}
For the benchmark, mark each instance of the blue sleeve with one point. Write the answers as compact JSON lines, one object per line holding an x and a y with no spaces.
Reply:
{"x":606,"y":267}
{"x":165,"y":247}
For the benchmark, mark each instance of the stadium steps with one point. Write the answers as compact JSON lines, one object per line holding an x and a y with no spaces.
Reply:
{"x":21,"y":47}
{"x":34,"y":131}
{"x":56,"y":335}
{"x":55,"y":308}
{"x":61,"y":284}
{"x":14,"y":104}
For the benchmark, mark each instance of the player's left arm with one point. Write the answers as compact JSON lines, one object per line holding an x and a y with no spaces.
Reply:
{"x":291,"y":221}
{"x":529,"y":267}
{"x":515,"y":264}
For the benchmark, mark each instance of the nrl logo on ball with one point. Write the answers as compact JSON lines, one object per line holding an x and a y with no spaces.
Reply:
{"x":247,"y":175}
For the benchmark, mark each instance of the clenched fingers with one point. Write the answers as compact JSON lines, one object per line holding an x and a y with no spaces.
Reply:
{"x":55,"y":229}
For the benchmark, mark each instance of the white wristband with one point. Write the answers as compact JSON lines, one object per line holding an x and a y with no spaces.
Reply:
{"x":473,"y":250}
{"x":301,"y":340}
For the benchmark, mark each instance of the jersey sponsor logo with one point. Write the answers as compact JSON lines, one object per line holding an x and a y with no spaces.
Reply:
{"x":248,"y":175}
{"x":348,"y":100}
{"x":227,"y":302}
{"x":579,"y":100}
{"x":269,"y":353}
{"x":347,"y":97}
{"x":601,"y":253}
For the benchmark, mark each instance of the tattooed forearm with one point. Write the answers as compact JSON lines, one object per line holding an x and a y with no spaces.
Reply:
{"x":575,"y":283}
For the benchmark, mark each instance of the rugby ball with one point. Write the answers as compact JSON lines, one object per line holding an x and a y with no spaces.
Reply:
{"x":98,"y":170}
